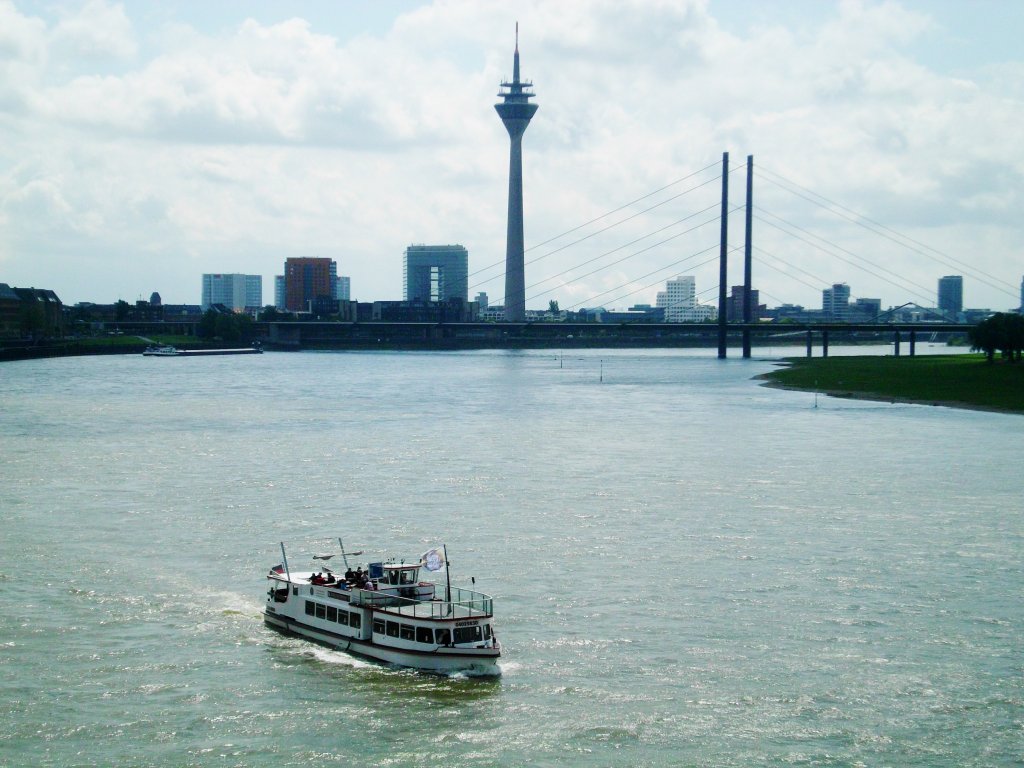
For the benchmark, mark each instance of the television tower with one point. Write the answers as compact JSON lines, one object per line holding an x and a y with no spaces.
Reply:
{"x":515,"y":112}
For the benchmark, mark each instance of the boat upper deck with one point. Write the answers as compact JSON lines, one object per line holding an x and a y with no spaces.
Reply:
{"x":464,"y":603}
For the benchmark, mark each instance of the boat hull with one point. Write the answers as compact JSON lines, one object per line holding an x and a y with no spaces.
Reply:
{"x":445,"y":661}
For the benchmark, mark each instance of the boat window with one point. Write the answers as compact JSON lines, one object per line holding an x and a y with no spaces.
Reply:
{"x":392,"y":577}
{"x":310,"y":607}
{"x":424,"y":635}
{"x":408,"y":632}
{"x":321,"y":610}
{"x":332,"y":613}
{"x":392,"y":629}
{"x":487,"y":631}
{"x":468,"y":634}
{"x":343,"y":617}
{"x":378,"y":626}
{"x":295,"y":590}
{"x":444,"y":637}
{"x":356,"y":620}
{"x":409,"y":577}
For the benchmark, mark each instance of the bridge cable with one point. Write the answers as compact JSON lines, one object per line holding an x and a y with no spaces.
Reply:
{"x":925,"y":296}
{"x":602,"y":216}
{"x":629,"y":256}
{"x":888,"y":233}
{"x":660,"y":280}
{"x":634,"y":242}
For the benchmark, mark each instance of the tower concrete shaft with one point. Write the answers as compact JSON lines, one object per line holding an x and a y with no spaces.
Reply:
{"x":515,"y":112}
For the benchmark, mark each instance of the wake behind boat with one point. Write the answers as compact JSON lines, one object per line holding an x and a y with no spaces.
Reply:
{"x":387,"y":613}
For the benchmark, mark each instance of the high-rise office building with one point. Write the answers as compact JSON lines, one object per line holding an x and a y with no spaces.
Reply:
{"x":279,"y":300}
{"x":734,"y":309}
{"x":344,"y":292}
{"x":308,"y":279}
{"x":435,"y":273}
{"x":236,"y":291}
{"x":515,"y":112}
{"x":951,"y":296}
{"x":679,"y":300}
{"x":835,"y":301}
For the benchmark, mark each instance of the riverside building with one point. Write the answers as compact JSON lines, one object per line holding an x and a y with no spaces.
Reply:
{"x":309,"y":280}
{"x":435,"y":273}
{"x":679,"y":302}
{"x":236,"y":291}
{"x":951,"y":296}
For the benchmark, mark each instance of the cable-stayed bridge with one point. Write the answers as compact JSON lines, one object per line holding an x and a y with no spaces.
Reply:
{"x":693,"y":226}
{"x":683,"y":227}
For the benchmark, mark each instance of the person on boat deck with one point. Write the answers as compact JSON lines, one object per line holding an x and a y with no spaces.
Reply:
{"x":350,"y":575}
{"x":330,"y":578}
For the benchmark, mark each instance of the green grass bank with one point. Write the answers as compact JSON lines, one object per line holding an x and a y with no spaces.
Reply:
{"x":963,"y":381}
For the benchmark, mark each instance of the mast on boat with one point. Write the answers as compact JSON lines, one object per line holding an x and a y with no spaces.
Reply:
{"x":285,"y":558}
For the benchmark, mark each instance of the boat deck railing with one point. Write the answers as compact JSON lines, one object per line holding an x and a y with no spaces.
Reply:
{"x":465,"y":603}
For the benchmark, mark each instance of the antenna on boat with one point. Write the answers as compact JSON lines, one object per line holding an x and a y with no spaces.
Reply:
{"x":343,"y":555}
{"x":287,"y":572}
{"x":448,"y":576}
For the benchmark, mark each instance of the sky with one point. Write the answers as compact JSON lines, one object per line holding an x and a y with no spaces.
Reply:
{"x":144,"y":144}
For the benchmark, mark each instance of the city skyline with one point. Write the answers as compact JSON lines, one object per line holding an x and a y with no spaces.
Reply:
{"x":148,"y":147}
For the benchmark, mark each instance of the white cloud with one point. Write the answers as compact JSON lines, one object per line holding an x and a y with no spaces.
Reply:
{"x":96,"y":30}
{"x":180,"y":150}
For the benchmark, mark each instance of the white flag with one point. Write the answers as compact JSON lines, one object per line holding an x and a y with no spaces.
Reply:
{"x":433,"y":559}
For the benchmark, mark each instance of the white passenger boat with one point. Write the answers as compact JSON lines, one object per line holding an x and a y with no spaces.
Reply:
{"x":162,"y":351}
{"x":387,"y":613}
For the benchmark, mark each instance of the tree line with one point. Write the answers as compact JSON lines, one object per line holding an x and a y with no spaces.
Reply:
{"x":229,"y":326}
{"x":1004,"y":332}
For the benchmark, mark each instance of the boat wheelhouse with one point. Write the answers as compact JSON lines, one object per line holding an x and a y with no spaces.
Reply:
{"x":386,"y":613}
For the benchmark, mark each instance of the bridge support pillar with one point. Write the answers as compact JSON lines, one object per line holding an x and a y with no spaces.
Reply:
{"x":810,"y":343}
{"x":913,"y":342}
{"x":824,"y":343}
{"x":896,"y":343}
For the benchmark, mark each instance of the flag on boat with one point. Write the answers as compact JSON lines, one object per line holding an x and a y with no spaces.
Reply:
{"x":433,"y":559}
{"x":279,"y":568}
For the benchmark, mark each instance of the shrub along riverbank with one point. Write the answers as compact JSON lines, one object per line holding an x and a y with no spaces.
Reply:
{"x":963,"y":381}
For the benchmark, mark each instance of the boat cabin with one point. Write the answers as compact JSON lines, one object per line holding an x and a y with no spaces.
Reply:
{"x":396,"y":575}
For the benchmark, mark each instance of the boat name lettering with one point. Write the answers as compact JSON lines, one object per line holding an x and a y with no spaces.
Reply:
{"x":466,"y":623}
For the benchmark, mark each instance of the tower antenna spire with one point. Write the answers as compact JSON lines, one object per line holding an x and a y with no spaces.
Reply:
{"x":515,"y":58}
{"x":515,"y":111}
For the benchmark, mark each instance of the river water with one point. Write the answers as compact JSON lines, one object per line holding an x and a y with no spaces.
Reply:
{"x":688,"y":568}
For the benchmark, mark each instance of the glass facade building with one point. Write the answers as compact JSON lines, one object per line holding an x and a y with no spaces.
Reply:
{"x":435,"y":273}
{"x":235,"y":291}
{"x":951,"y":296}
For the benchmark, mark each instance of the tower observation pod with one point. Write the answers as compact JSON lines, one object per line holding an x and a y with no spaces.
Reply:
{"x":515,"y":112}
